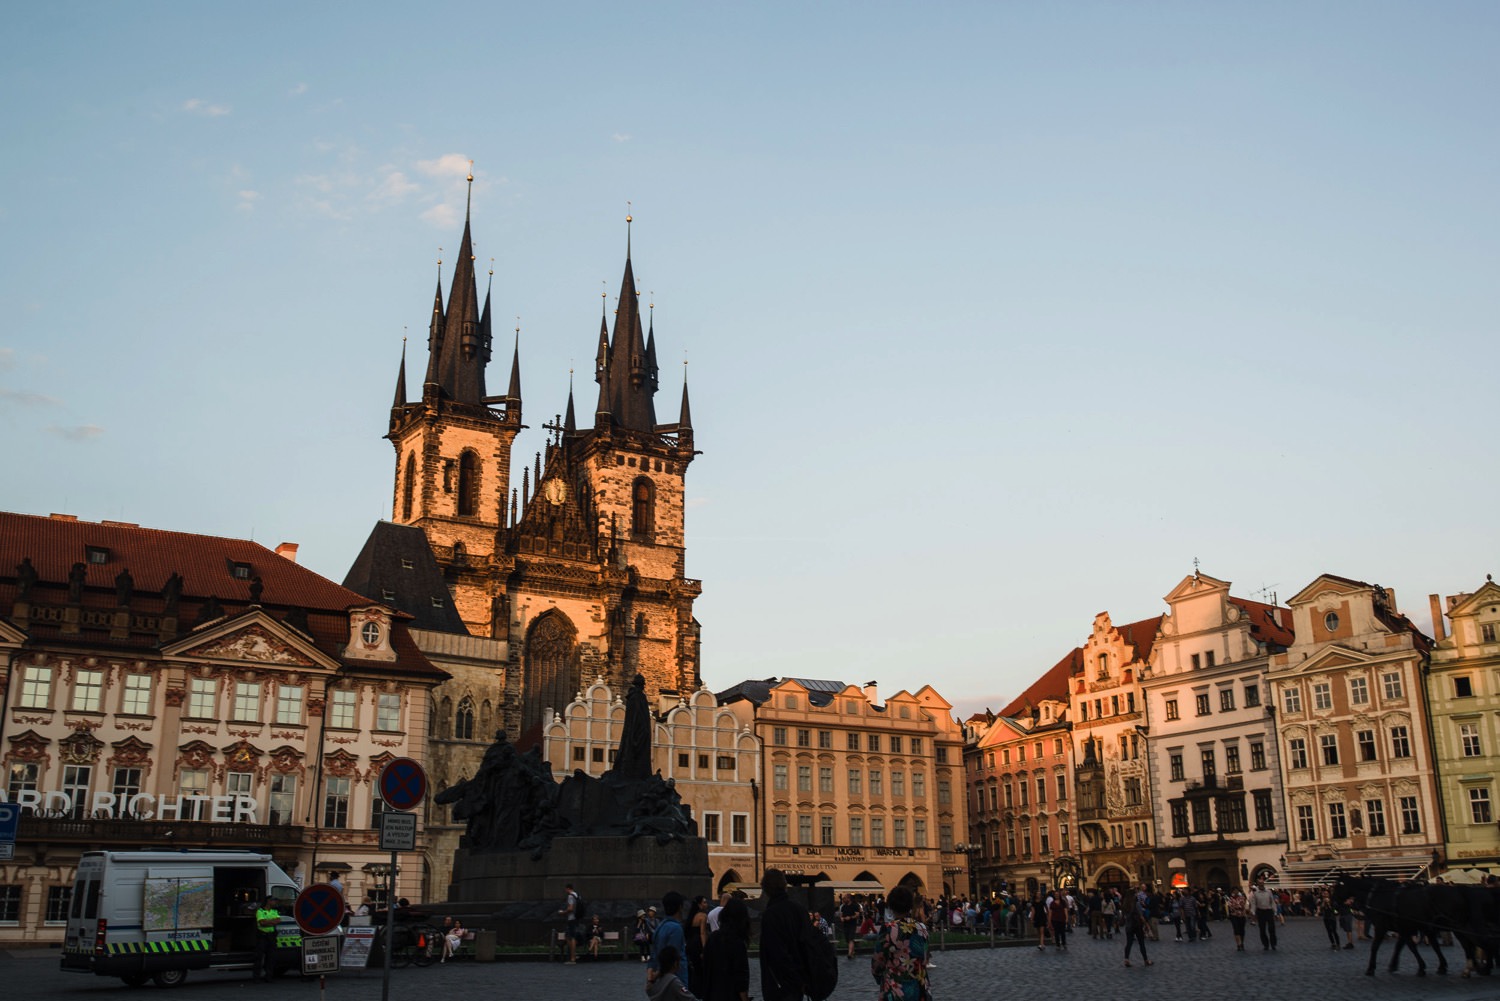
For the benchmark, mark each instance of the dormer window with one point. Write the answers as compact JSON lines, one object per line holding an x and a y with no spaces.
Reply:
{"x":97,"y":555}
{"x":239,"y":571}
{"x":387,"y":595}
{"x":370,"y":633}
{"x":437,"y":602}
{"x":406,"y":564}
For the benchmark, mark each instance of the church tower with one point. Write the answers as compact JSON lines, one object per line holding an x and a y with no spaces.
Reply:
{"x":580,"y":570}
{"x":453,"y":445}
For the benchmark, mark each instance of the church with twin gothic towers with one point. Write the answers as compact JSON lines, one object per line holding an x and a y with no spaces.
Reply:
{"x":575,"y":572}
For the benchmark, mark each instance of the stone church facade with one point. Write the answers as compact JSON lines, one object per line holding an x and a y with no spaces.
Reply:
{"x":576,"y":574}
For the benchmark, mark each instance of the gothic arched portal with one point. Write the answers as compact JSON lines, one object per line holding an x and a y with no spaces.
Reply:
{"x":551,"y":671}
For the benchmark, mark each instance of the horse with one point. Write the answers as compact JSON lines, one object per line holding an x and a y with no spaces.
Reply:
{"x":1404,"y":909}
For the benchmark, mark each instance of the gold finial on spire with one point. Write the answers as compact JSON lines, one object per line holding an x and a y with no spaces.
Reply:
{"x":492,"y":267}
{"x":628,"y":220}
{"x":469,"y":195}
{"x":518,"y":326}
{"x":471,"y":171}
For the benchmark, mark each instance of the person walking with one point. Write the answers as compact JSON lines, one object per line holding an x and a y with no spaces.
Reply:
{"x":1039,"y":918}
{"x":1137,"y":916}
{"x":900,"y":960}
{"x":1058,"y":916}
{"x":726,"y":958}
{"x":696,"y":933}
{"x":1263,"y":903}
{"x":849,"y":919}
{"x":570,"y":912}
{"x":669,"y":933}
{"x":783,"y":970}
{"x":1238,"y":907}
{"x":267,"y":917}
{"x":1330,"y":916}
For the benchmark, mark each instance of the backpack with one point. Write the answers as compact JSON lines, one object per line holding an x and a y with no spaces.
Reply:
{"x":580,"y":909}
{"x":820,"y":963}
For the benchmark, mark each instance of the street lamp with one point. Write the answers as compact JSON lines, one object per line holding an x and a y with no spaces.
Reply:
{"x":968,"y":851}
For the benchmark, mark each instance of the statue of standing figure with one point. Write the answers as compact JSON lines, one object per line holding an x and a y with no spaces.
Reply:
{"x":633,"y":762}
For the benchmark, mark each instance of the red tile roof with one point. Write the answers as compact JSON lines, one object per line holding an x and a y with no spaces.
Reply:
{"x":1266,"y":621}
{"x":206,"y":564}
{"x":1141,"y":635}
{"x":1052,"y":685}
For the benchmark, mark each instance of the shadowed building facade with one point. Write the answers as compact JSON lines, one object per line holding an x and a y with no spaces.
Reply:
{"x":526,"y":593}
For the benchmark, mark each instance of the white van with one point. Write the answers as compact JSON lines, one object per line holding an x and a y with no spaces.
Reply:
{"x":157,"y":915}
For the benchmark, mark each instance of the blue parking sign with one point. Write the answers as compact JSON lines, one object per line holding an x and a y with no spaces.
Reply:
{"x":10,"y":819}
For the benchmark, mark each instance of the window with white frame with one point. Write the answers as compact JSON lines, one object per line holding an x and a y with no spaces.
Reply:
{"x":388,"y":712}
{"x":1307,"y":829}
{"x":36,"y":687}
{"x":779,"y":773}
{"x":877,"y":832}
{"x":857,"y":831}
{"x":247,"y":701}
{"x":1411,"y":816}
{"x":780,"y":828}
{"x":1291,"y":699}
{"x":341,"y":708}
{"x":202,"y":698}
{"x":289,"y":704}
{"x":58,"y":899}
{"x":1479,"y":805}
{"x":1338,"y":826}
{"x":1375,"y":817}
{"x":825,"y":830}
{"x":825,"y":778}
{"x":10,"y":904}
{"x":739,"y":828}
{"x":919,"y":832}
{"x":1359,"y":691}
{"x":1400,"y":742}
{"x":88,"y":690}
{"x":1329,"y":744}
{"x":804,"y":829}
{"x":1468,"y":735}
{"x":135,"y":700}
{"x":1296,"y":752}
{"x":336,"y":802}
{"x":192,"y":782}
{"x":1322,"y":693}
{"x":283,"y":798}
{"x":75,"y":785}
{"x":711,"y":828}
{"x":1391,"y":685}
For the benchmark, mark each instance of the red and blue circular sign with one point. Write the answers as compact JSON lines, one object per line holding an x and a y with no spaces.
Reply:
{"x":319,"y":909}
{"x":403,"y":784}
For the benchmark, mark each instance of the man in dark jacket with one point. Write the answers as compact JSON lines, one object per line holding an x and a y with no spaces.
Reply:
{"x":781,"y":963}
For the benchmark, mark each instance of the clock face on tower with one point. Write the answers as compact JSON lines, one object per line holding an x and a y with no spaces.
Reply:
{"x":555,"y":491}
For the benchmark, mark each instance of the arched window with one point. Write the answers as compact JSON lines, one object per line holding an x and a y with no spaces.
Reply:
{"x":643,"y":509}
{"x":408,"y":486}
{"x":463,"y":720}
{"x":468,"y":484}
{"x":552,"y":672}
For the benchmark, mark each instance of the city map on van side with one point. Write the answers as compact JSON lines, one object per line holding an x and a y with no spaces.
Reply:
{"x":178,"y":903}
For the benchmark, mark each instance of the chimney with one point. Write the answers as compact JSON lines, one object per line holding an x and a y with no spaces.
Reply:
{"x":62,"y":517}
{"x":1436,"y":604}
{"x":872,"y":692}
{"x":288,"y":551}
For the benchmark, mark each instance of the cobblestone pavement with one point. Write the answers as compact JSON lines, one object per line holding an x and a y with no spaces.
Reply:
{"x":1303,"y":967}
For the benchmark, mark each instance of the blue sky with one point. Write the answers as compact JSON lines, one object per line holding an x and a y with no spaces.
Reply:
{"x":998,"y":315}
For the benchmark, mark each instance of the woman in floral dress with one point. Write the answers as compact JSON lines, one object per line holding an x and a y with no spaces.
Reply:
{"x":900,"y":963}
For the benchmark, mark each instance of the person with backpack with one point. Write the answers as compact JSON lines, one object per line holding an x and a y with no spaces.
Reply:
{"x":669,"y":933}
{"x":796,"y":960}
{"x":900,"y":961}
{"x":572,"y":912}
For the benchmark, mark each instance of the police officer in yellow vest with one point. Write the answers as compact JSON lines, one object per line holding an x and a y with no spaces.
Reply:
{"x":266,"y":919}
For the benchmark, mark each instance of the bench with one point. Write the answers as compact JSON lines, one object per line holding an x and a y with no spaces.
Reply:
{"x":465,"y":948}
{"x":611,"y":940}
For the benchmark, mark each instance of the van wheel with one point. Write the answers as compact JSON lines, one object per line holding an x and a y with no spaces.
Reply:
{"x":170,"y":978}
{"x":135,"y":979}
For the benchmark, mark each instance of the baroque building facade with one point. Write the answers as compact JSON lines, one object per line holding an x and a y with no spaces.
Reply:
{"x":1463,"y":699}
{"x":1211,"y":740}
{"x":1114,"y":784}
{"x":1356,"y":748}
{"x":706,"y":751}
{"x":162,"y":688}
{"x":863,"y":793}
{"x":1019,"y":767}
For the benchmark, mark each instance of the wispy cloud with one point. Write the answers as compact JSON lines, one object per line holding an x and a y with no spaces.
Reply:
{"x":198,"y":106}
{"x":452,"y":166}
{"x":393,"y":187}
{"x":21,"y":398}
{"x":298,"y":90}
{"x":248,"y":199}
{"x":77,"y":432}
{"x":622,"y":137}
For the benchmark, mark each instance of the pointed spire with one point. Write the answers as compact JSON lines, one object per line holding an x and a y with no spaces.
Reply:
{"x":685,"y":417}
{"x":539,"y":470}
{"x":514,"y":392}
{"x":514,"y":509}
{"x":435,"y":332}
{"x":464,"y":348}
{"x":651,"y":373}
{"x":525,"y":487}
{"x":601,"y":357}
{"x":401,"y":380}
{"x":570,"y":423}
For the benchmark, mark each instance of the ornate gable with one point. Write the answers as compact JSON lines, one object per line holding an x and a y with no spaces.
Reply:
{"x":252,"y":639}
{"x":80,"y":748}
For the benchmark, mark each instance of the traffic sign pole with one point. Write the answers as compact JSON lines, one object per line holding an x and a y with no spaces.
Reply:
{"x":402,"y":784}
